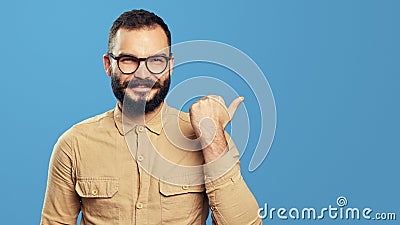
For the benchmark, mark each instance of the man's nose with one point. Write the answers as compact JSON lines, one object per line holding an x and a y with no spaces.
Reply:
{"x":142,"y":72}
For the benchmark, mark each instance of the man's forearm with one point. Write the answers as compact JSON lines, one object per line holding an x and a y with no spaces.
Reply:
{"x":231,"y":201}
{"x":214,"y":147}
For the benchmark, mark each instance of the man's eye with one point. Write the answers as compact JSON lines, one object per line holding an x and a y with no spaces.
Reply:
{"x":157,"y":60}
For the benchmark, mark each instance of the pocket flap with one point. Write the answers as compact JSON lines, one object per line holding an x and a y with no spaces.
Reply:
{"x":170,"y":189}
{"x":96,"y":187}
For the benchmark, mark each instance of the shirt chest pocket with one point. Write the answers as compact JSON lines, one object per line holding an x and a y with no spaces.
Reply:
{"x":181,"y":204}
{"x":99,"y":199}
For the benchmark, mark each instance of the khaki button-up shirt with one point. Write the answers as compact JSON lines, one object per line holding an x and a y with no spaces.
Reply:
{"x":105,"y":170}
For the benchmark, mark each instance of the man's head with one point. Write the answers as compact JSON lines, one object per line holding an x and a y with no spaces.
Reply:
{"x":135,"y":36}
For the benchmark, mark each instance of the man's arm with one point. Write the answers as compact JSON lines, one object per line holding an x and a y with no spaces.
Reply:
{"x":61,"y":203}
{"x":230,"y":199}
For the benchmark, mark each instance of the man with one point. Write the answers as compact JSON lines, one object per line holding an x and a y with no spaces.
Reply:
{"x":133,"y":164}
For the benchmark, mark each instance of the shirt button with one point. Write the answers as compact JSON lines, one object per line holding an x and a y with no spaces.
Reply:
{"x":141,"y":129}
{"x":185,"y":187}
{"x":139,"y":205}
{"x":140,"y":158}
{"x":95,"y":192}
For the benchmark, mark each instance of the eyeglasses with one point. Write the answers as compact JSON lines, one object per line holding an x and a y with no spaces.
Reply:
{"x":128,"y":64}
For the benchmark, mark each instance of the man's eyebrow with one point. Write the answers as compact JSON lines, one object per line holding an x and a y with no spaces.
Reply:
{"x":130,"y":55}
{"x":126,"y":54}
{"x":159,"y":54}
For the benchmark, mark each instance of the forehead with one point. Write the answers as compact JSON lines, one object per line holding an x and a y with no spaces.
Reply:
{"x":141,"y":42}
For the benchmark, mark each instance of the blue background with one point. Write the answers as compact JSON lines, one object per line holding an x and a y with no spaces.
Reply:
{"x":333,"y":67}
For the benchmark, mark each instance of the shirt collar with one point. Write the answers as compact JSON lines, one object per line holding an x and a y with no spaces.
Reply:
{"x":154,"y":124}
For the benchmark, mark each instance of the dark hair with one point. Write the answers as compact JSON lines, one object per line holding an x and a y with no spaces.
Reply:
{"x":136,"y":19}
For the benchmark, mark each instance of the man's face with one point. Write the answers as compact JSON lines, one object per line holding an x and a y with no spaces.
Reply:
{"x":142,"y":90}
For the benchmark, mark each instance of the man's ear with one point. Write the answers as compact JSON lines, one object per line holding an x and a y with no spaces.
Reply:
{"x":171,"y":64}
{"x":107,"y":64}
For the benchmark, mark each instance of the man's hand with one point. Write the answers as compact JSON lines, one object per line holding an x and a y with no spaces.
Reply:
{"x":208,"y":117}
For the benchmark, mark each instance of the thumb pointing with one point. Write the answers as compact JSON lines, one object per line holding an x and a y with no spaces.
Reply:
{"x":233,"y":106}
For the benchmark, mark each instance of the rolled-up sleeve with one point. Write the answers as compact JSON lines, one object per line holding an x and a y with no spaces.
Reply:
{"x":61,"y":203}
{"x":231,"y":201}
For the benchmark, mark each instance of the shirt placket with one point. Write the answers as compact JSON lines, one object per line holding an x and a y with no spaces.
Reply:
{"x":142,"y":207}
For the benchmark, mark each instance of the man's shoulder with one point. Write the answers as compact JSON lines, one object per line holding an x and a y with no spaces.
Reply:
{"x":172,"y":112}
{"x":87,"y":126}
{"x":94,"y":120}
{"x":177,"y":118}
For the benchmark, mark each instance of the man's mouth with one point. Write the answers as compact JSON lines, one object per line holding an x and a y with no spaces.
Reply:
{"x":141,"y":88}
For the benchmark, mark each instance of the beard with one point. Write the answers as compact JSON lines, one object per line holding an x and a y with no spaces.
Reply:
{"x":144,"y":103}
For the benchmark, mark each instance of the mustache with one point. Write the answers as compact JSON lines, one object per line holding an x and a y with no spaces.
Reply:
{"x":141,"y":82}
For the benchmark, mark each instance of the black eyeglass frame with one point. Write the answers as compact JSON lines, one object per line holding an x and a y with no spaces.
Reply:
{"x":117,"y":58}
